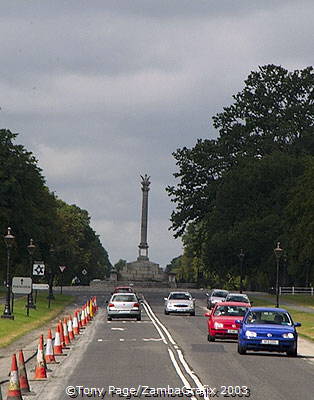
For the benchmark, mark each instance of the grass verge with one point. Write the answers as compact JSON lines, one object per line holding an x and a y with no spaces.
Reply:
{"x":306,"y":319}
{"x":10,"y":330}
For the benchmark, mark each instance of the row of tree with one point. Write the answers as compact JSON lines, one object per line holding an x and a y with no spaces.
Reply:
{"x":33,"y":211}
{"x":251,"y":187}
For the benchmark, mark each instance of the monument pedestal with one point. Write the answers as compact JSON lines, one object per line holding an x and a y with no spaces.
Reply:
{"x":142,"y":270}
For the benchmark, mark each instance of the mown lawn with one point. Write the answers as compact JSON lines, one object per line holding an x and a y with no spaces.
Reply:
{"x":306,"y":319}
{"x":297,"y":299}
{"x":300,"y":299}
{"x":12,"y":329}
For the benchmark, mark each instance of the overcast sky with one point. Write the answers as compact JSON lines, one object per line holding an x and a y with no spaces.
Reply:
{"x":103,"y":91}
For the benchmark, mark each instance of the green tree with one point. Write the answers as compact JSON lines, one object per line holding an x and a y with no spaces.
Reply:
{"x":232,"y":191}
{"x":32,"y":211}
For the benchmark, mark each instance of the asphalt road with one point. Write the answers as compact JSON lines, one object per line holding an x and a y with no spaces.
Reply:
{"x":170,"y":353}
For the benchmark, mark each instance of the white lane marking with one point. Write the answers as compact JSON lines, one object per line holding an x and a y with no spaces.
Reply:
{"x":162,"y":326}
{"x":122,"y":340}
{"x":99,"y":340}
{"x":117,"y":329}
{"x":155,"y":325}
{"x":181,"y":357}
{"x":192,"y":374}
{"x":152,"y":339}
{"x":179,"y":372}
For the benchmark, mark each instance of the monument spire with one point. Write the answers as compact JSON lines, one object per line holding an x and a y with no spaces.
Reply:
{"x":143,"y":246}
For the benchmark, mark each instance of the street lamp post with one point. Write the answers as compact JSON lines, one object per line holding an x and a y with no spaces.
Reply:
{"x":9,"y":239}
{"x":50,"y":274}
{"x":241,"y":258}
{"x":31,"y":249}
{"x":278,"y":252}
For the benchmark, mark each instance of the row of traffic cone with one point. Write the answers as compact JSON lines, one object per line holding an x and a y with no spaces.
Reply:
{"x":65,"y":333}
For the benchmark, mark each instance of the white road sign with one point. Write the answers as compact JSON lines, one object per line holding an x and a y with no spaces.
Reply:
{"x":38,"y":268}
{"x":84,"y":272}
{"x":62,"y":268}
{"x":40,"y":286}
{"x":21,"y":285}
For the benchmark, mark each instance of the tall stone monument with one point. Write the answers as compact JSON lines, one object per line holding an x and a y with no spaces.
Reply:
{"x":143,"y":269}
{"x":143,"y":246}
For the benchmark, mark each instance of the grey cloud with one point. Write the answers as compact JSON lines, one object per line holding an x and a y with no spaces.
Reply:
{"x":103,"y":91}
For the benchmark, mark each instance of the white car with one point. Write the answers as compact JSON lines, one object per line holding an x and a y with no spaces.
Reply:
{"x":179,"y":302}
{"x":123,"y":305}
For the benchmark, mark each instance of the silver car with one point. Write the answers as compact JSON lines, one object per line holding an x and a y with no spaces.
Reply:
{"x":123,"y":305}
{"x":216,"y":296}
{"x":179,"y":302}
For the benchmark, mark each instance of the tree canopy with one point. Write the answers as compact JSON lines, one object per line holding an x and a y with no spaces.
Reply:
{"x":247,"y":188}
{"x":32,"y":211}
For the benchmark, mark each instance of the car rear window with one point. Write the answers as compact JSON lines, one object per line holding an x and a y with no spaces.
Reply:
{"x":124,"y":297}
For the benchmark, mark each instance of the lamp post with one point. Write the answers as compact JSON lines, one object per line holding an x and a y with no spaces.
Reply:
{"x":31,"y":249}
{"x":9,"y":239}
{"x":278,"y":252}
{"x":50,"y":274}
{"x":241,"y":258}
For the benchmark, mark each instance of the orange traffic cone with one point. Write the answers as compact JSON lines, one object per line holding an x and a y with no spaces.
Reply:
{"x":24,"y":385}
{"x":57,"y":346}
{"x":76,"y":329}
{"x":61,"y":334}
{"x":90,"y":307}
{"x":70,"y":329}
{"x":41,"y":369}
{"x":14,"y":391}
{"x":66,"y":333}
{"x":83,"y":317}
{"x":79,"y":322}
{"x":87,"y":313}
{"x":49,"y":354}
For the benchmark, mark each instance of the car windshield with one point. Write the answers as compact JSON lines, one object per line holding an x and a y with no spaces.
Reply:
{"x":179,"y":296}
{"x":230,"y":311}
{"x":237,"y":298}
{"x":124,"y":298}
{"x":220,"y":293}
{"x":268,"y":317}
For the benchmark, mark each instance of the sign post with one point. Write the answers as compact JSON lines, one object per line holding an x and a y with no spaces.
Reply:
{"x":62,"y":268}
{"x":21,"y":285}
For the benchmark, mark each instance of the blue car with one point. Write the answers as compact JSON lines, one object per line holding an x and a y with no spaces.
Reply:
{"x":268,"y":329}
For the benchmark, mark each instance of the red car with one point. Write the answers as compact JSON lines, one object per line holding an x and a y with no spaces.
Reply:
{"x":123,"y":289}
{"x":221,"y":321}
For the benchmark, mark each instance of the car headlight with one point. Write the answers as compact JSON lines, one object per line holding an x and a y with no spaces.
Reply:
{"x":250,"y":334}
{"x":288,"y":335}
{"x":218,"y":325}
